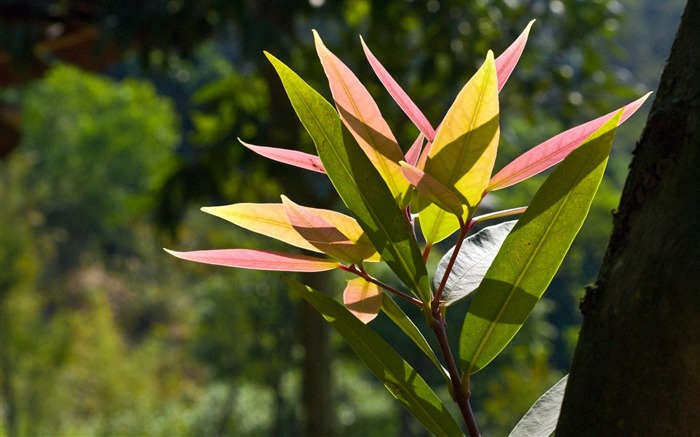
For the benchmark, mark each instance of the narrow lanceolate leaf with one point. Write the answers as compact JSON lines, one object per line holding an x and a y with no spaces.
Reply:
{"x":396,"y":314}
{"x":399,"y":95}
{"x":362,"y":117}
{"x":258,"y":260}
{"x":321,"y":234}
{"x":474,"y":259}
{"x":552,"y":151}
{"x":359,"y":184}
{"x":286,"y":156}
{"x":505,"y":63}
{"x":270,"y":219}
{"x":533,"y":251}
{"x":385,"y":363}
{"x":464,"y":150}
{"x":541,"y":419}
{"x":432,"y":189}
{"x":363,"y":299}
{"x":413,"y":153}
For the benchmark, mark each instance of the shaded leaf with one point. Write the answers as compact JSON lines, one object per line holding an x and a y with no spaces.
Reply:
{"x":505,"y":63}
{"x":385,"y":363}
{"x":270,"y":219}
{"x":555,"y":149}
{"x":475,"y":257}
{"x":322,"y":234}
{"x":363,"y":299}
{"x":541,"y":419}
{"x":396,"y":314}
{"x":286,"y":156}
{"x":533,"y":251}
{"x":258,"y":260}
{"x":350,"y":172}
{"x":360,"y":114}
{"x":399,"y":95}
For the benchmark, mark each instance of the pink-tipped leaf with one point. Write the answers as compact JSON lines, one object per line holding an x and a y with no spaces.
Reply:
{"x":399,"y":95}
{"x":432,"y":189}
{"x":363,"y":299}
{"x":258,"y":260}
{"x":295,"y":158}
{"x":321,"y":234}
{"x":413,"y":153}
{"x":555,"y":149}
{"x":505,"y":63}
{"x":360,"y":114}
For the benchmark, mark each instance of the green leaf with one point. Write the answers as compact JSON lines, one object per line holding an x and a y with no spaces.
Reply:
{"x":396,"y":314}
{"x":385,"y":363}
{"x":533,"y":251}
{"x":358,"y":183}
{"x":432,"y":189}
{"x":541,"y":419}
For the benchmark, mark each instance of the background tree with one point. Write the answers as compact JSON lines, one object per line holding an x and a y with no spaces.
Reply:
{"x":637,"y":364}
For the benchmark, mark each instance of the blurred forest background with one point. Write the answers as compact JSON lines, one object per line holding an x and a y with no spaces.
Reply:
{"x":119,"y":120}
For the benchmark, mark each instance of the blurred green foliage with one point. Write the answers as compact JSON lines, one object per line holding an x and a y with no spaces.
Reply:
{"x":102,"y":334}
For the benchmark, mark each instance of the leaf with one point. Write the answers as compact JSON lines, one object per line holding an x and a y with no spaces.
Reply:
{"x":385,"y":363}
{"x":499,"y":214}
{"x":286,"y":156}
{"x":533,"y":251}
{"x":474,"y":259}
{"x":541,"y":419}
{"x":396,"y":314}
{"x":432,"y":189}
{"x":363,"y":299}
{"x":370,"y":200}
{"x":361,"y":115}
{"x":322,"y":234}
{"x":414,"y":151}
{"x":464,"y":150}
{"x":399,"y":95}
{"x":505,"y":63}
{"x":436,"y":224}
{"x":552,"y":151}
{"x":258,"y":260}
{"x":270,"y":219}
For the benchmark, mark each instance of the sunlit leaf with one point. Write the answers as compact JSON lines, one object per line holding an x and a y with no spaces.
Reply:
{"x":505,"y":63}
{"x":414,"y":151}
{"x":258,"y":260}
{"x":399,"y":95}
{"x":436,"y":224}
{"x":286,"y":156}
{"x":432,"y":189}
{"x":475,"y":257}
{"x":362,"y":117}
{"x":321,"y":234}
{"x":464,"y":150}
{"x":533,"y":251}
{"x":541,"y":419}
{"x":270,"y":219}
{"x":350,"y":172}
{"x":385,"y":363}
{"x":363,"y":299}
{"x":396,"y":314}
{"x":499,"y":214}
{"x":552,"y":151}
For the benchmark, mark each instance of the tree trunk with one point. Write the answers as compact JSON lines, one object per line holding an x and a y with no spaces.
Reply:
{"x":636,"y":370}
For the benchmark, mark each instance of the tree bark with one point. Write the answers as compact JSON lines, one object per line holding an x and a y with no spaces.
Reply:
{"x":636,"y":370}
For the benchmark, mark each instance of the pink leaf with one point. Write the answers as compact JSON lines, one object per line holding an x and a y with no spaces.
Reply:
{"x":414,"y":152}
{"x":258,"y":260}
{"x":399,"y":95}
{"x":555,"y":149}
{"x":363,"y":299}
{"x":286,"y":156}
{"x":432,"y":189}
{"x":505,"y":63}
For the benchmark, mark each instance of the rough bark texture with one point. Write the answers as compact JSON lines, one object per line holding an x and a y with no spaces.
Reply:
{"x":636,"y":371}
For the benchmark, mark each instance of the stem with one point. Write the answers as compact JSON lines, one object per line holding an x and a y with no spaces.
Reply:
{"x":366,"y":276}
{"x":459,"y":394}
{"x":463,"y":230}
